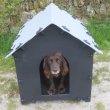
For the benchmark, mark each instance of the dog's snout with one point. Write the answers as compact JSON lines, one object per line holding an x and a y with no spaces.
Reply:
{"x":54,"y":70}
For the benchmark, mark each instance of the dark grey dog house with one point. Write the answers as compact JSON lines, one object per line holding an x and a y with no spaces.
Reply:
{"x":49,"y":31}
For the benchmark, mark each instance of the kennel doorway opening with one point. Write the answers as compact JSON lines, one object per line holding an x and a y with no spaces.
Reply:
{"x":45,"y":82}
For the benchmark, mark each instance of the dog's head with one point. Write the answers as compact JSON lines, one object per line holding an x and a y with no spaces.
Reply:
{"x":55,"y":63}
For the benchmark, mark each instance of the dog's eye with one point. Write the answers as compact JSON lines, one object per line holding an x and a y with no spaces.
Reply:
{"x":51,"y":60}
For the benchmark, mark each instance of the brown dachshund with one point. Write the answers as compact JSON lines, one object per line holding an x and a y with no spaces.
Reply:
{"x":55,"y":65}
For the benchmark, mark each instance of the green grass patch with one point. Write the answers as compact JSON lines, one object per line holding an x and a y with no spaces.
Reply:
{"x":107,"y":79}
{"x":73,"y":101}
{"x":100,"y":106}
{"x":102,"y":57}
{"x":9,"y":86}
{"x":100,"y":30}
{"x":11,"y":104}
{"x":39,"y":108}
{"x":95,"y":79}
{"x":6,"y":65}
{"x":6,"y":41}
{"x":102,"y":70}
{"x":48,"y":105}
{"x":99,"y":72}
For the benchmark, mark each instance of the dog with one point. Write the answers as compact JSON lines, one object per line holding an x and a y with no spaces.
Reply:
{"x":54,"y":66}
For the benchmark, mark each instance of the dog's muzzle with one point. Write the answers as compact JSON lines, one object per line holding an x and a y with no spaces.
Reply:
{"x":56,"y":74}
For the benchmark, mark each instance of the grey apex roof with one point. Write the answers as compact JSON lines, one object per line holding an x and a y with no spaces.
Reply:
{"x":58,"y":17}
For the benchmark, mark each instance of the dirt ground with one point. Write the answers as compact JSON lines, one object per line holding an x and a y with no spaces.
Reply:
{"x":100,"y":99}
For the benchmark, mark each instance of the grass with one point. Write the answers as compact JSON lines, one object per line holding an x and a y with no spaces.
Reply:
{"x":99,"y":72}
{"x":6,"y":42}
{"x":95,"y":79}
{"x":102,"y":69}
{"x":11,"y":104}
{"x":48,"y":105}
{"x":73,"y":101}
{"x":102,"y":58}
{"x":100,"y":106}
{"x":102,"y":72}
{"x":107,"y":79}
{"x":6,"y":65}
{"x":0,"y":99}
{"x":100,"y":30}
{"x":8,"y":86}
{"x":39,"y":108}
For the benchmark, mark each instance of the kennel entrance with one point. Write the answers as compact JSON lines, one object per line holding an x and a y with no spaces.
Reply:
{"x":45,"y":82}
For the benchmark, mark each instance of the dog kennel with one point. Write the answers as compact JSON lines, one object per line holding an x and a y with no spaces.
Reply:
{"x":51,"y":30}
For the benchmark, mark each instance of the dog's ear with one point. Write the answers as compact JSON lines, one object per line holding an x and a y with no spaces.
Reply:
{"x":44,"y":62}
{"x":46,"y":68}
{"x":65,"y":68}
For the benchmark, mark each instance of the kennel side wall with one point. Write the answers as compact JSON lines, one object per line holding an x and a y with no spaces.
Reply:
{"x":52,"y":39}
